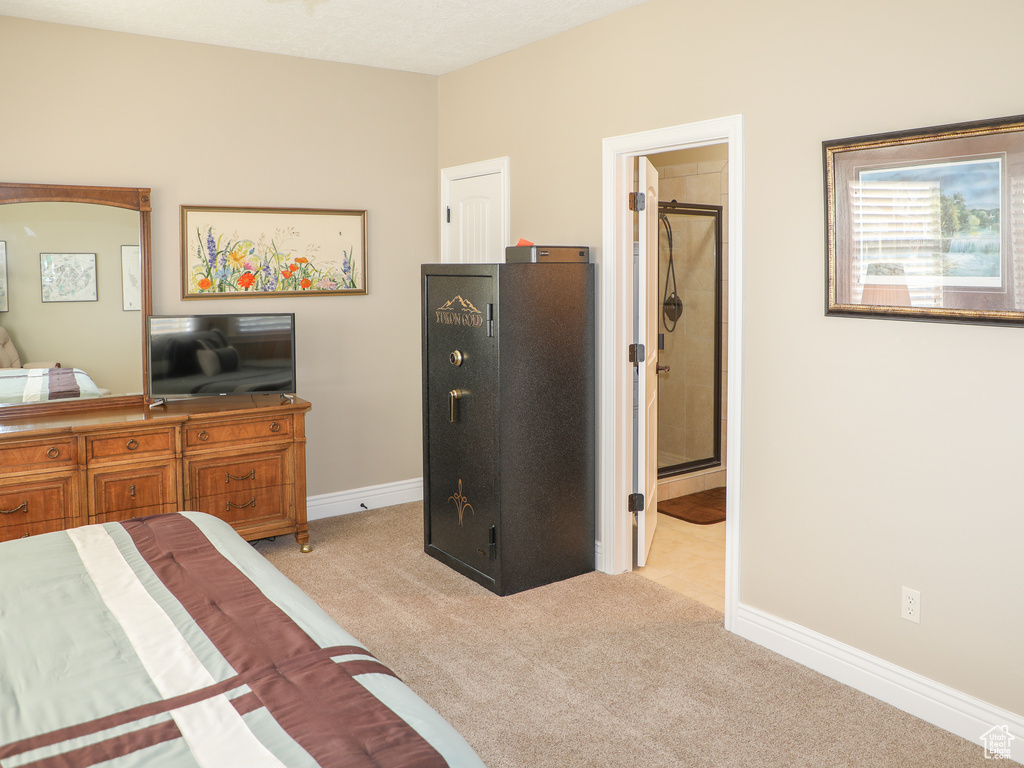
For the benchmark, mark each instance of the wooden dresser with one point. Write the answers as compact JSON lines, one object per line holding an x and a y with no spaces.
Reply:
{"x":242,"y":459}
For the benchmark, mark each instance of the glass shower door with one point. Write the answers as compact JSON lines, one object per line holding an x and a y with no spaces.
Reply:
{"x":690,"y":342}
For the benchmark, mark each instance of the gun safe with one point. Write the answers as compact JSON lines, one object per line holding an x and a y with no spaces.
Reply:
{"x":509,"y":421}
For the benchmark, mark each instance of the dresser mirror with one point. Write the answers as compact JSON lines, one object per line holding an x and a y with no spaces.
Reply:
{"x":74,"y":295}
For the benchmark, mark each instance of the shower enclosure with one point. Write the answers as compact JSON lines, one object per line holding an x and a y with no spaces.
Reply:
{"x":690,"y":338}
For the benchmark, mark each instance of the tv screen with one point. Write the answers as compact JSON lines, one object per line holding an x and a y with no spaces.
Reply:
{"x":221,"y":354}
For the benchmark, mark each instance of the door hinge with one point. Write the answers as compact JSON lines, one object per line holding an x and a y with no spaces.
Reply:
{"x":448,"y":215}
{"x":637,"y":201}
{"x":635,"y":502}
{"x":493,"y":542}
{"x":637,"y":353}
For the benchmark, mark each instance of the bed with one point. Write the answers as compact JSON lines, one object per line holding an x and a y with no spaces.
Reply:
{"x":169,"y":641}
{"x":33,"y":385}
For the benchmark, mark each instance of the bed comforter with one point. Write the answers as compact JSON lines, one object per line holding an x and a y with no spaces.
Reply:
{"x":33,"y":385}
{"x":168,"y":641}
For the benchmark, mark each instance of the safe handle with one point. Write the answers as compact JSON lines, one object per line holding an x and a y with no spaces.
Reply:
{"x":453,"y":398}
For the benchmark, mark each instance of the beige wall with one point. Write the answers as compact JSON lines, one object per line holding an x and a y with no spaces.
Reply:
{"x":875,"y":453}
{"x":203,"y":125}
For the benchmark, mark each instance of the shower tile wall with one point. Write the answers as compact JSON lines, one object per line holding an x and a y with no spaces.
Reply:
{"x":685,"y":397}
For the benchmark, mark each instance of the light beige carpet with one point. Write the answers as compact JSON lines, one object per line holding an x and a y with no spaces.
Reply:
{"x":593,"y":672}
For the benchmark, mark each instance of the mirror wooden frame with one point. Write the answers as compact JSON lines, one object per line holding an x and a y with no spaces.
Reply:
{"x":132,"y":198}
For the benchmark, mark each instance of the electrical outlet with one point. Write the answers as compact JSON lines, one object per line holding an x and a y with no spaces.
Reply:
{"x":910,"y":606}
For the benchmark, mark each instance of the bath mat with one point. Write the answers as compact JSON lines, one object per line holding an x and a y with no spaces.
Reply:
{"x":702,"y":508}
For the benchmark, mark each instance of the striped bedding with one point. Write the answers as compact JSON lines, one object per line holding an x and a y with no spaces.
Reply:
{"x":34,"y":385}
{"x":168,"y":641}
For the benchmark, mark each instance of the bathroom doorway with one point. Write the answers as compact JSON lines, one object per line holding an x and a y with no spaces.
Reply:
{"x":688,"y":552}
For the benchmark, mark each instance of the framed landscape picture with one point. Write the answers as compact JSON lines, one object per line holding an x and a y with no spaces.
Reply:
{"x":263,"y":252}
{"x":926,"y":224}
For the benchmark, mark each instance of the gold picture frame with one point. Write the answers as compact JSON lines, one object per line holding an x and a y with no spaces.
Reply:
{"x":921,"y":224}
{"x":231,"y":252}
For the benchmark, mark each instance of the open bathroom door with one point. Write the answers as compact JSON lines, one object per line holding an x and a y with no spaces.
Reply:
{"x":646,"y":452}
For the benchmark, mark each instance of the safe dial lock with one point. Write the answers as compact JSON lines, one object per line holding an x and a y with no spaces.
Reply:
{"x":455,"y":358}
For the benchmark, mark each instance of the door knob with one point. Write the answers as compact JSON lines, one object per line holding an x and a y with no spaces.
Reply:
{"x":453,"y":409}
{"x":664,"y":369}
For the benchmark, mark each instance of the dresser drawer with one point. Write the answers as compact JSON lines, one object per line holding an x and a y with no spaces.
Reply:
{"x":233,"y":474}
{"x":130,"y":444}
{"x":23,"y":530}
{"x":248,"y":508}
{"x":17,"y":457}
{"x":223,"y":433}
{"x":126,"y":493}
{"x":35,"y":507}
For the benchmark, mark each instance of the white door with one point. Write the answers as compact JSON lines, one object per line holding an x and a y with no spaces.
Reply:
{"x":646,"y":452}
{"x":474,"y":209}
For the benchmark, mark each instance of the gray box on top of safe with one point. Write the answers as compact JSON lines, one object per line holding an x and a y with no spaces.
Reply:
{"x":523,"y":254}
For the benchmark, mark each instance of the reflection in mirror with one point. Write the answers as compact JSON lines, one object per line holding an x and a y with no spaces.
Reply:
{"x":73,"y":297}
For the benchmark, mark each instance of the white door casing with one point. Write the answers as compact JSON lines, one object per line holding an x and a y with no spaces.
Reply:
{"x":646,"y":451}
{"x":475,"y":221}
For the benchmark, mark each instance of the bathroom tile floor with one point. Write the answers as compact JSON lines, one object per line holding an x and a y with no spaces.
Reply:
{"x":689,"y":559}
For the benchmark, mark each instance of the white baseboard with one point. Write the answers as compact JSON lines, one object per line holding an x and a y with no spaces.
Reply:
{"x":940,"y":705}
{"x":358,"y":499}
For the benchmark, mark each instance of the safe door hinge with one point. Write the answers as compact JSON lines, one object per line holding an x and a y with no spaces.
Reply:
{"x":635,"y":502}
{"x":493,"y":542}
{"x":637,"y":201}
{"x":637,"y":353}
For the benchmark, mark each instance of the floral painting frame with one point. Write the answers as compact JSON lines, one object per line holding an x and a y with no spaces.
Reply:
{"x":924,"y":224}
{"x":232,"y":252}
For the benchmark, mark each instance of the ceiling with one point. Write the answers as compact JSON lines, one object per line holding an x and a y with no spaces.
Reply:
{"x":427,"y":36}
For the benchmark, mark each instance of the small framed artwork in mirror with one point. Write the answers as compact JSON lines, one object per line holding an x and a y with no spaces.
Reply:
{"x":131,"y":278}
{"x":920,"y":224}
{"x":68,"y":276}
{"x":3,"y":276}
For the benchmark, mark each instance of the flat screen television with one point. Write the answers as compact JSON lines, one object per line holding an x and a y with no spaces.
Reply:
{"x":206,"y":355}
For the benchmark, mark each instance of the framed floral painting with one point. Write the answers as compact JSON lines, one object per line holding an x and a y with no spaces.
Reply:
{"x":256,"y":252}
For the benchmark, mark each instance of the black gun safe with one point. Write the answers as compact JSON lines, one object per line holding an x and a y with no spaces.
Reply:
{"x":509,"y":421}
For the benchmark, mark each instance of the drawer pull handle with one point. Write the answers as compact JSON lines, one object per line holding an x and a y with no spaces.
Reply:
{"x":131,"y":490}
{"x":53,"y":453}
{"x":204,"y":435}
{"x":228,"y":477}
{"x":23,"y":507}
{"x":132,"y":444}
{"x":275,"y":427}
{"x":250,"y":503}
